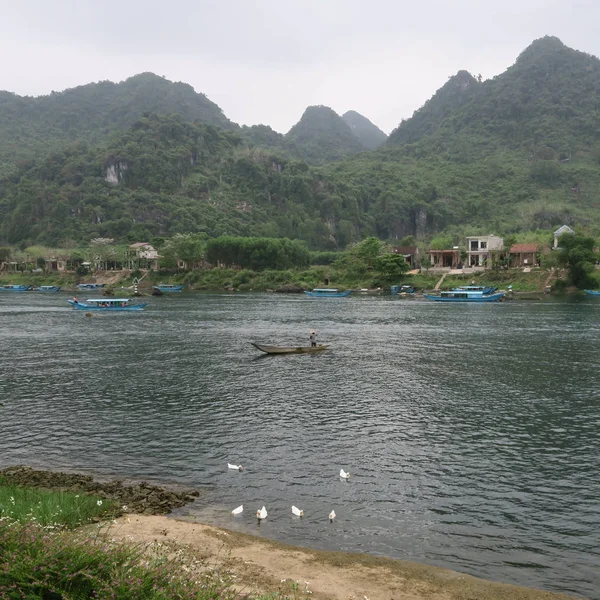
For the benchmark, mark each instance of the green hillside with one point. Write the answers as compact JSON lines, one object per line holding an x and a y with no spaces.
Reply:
{"x":517,"y":153}
{"x":369,"y":134}
{"x":30,"y":127}
{"x":321,"y":136}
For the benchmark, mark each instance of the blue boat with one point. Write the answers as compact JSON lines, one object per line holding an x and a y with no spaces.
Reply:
{"x":47,"y":288}
{"x":168,"y":287}
{"x":90,"y":286}
{"x":14,"y":288}
{"x":486,"y":289}
{"x":107,"y":305}
{"x":327,"y":293}
{"x":462,"y":295}
{"x":592,"y":292}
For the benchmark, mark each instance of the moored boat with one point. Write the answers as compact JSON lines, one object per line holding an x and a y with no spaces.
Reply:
{"x":168,"y":287}
{"x":14,"y":288}
{"x":47,"y":288}
{"x":327,"y":293}
{"x":107,"y":304}
{"x":458,"y":295}
{"x":90,"y":286}
{"x":592,"y":292}
{"x":288,"y":349}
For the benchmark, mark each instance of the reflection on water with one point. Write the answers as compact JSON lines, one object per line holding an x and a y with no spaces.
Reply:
{"x":470,"y":431}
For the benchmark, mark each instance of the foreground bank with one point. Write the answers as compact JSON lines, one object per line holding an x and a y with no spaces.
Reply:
{"x":135,"y":552}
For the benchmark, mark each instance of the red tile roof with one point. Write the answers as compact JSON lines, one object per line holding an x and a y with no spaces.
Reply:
{"x":523,"y":248}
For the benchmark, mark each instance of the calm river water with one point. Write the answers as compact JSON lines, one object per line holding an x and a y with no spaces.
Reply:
{"x":472,"y":432}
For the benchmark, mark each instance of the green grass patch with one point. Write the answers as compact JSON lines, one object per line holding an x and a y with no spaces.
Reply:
{"x":41,"y":565}
{"x":51,"y":509}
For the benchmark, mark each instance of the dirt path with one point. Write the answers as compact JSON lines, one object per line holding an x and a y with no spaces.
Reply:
{"x":260,"y":566}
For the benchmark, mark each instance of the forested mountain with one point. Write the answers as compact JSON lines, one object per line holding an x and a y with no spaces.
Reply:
{"x":322,"y":135}
{"x":549,"y":98}
{"x":518,"y":152}
{"x":369,"y":134}
{"x":32,"y":126}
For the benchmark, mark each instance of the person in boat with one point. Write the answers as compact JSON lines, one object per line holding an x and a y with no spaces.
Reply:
{"x":313,"y":338}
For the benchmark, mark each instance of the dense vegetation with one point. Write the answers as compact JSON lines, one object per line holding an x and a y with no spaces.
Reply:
{"x":33,"y":126}
{"x":369,"y":134}
{"x":517,"y":153}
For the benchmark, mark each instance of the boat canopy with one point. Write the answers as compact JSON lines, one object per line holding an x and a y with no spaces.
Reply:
{"x":109,"y":300}
{"x":326,"y":290}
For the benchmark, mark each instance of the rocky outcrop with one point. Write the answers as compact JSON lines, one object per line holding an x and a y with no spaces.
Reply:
{"x":142,"y":497}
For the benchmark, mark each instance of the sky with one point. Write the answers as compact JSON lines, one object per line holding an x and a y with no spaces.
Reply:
{"x":265,"y":61}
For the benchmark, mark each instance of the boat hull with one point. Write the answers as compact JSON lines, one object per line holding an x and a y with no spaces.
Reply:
{"x":592,"y":292}
{"x":90,"y":286}
{"x":326,"y":295}
{"x":94,"y":308}
{"x":489,"y":298}
{"x":14,"y":288}
{"x":168,"y":290}
{"x":288,"y":349}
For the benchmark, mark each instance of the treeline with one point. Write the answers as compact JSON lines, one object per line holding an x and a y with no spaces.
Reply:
{"x":257,"y":253}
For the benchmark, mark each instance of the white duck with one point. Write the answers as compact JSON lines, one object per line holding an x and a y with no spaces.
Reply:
{"x":297,"y":511}
{"x":262,"y":513}
{"x":332,"y":515}
{"x":235,"y":467}
{"x":344,"y":475}
{"x":239,"y":510}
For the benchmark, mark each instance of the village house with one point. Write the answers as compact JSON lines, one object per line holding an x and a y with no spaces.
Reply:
{"x":411,"y":255}
{"x":142,"y":255}
{"x":560,"y":231}
{"x":445,"y":259}
{"x":56,"y":264}
{"x":524,"y":255}
{"x":482,"y":250}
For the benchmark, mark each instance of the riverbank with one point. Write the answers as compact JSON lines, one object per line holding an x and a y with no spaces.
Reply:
{"x":217,"y":279}
{"x":253,"y":566}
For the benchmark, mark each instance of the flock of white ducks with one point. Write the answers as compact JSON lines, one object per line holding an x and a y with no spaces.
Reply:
{"x":262,"y":512}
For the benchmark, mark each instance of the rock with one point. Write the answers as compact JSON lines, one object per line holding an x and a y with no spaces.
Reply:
{"x":139,"y":497}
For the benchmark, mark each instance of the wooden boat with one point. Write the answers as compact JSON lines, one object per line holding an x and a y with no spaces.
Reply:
{"x":167,"y":287}
{"x":47,"y":288}
{"x":462,"y":295}
{"x":14,"y":288}
{"x":107,"y":305}
{"x":288,"y":349}
{"x":592,"y":292}
{"x":327,"y":293}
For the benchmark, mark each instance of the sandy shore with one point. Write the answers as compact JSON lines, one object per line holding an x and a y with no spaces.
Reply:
{"x":258,"y":566}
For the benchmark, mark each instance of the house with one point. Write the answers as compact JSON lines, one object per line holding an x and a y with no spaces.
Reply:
{"x":481,"y":250}
{"x":445,"y":259}
{"x":142,"y":255}
{"x":560,"y":231}
{"x":410,"y":253}
{"x":524,"y":255}
{"x":56,"y":264}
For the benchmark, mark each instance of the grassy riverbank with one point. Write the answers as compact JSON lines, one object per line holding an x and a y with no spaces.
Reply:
{"x":218,"y":279}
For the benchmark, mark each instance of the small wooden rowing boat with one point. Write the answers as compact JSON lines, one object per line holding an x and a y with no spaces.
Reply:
{"x":288,"y":349}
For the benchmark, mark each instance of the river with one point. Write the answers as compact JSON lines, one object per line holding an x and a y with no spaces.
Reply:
{"x":471,"y":431}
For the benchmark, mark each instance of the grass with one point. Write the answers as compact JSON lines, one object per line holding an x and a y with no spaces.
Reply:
{"x":39,"y":565}
{"x":51,"y":509}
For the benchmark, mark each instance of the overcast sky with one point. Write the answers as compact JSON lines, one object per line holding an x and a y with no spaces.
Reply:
{"x":265,"y":61}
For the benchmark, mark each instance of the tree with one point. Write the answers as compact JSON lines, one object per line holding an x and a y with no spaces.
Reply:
{"x":578,"y":256}
{"x":391,"y":265}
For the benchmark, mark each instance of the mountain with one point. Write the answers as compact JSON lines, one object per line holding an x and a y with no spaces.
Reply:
{"x":321,"y":136}
{"x":547,"y":99}
{"x":32,"y":126}
{"x":369,"y":134}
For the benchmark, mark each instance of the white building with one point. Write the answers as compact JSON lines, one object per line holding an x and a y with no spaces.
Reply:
{"x":480,"y":249}
{"x":559,"y":232}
